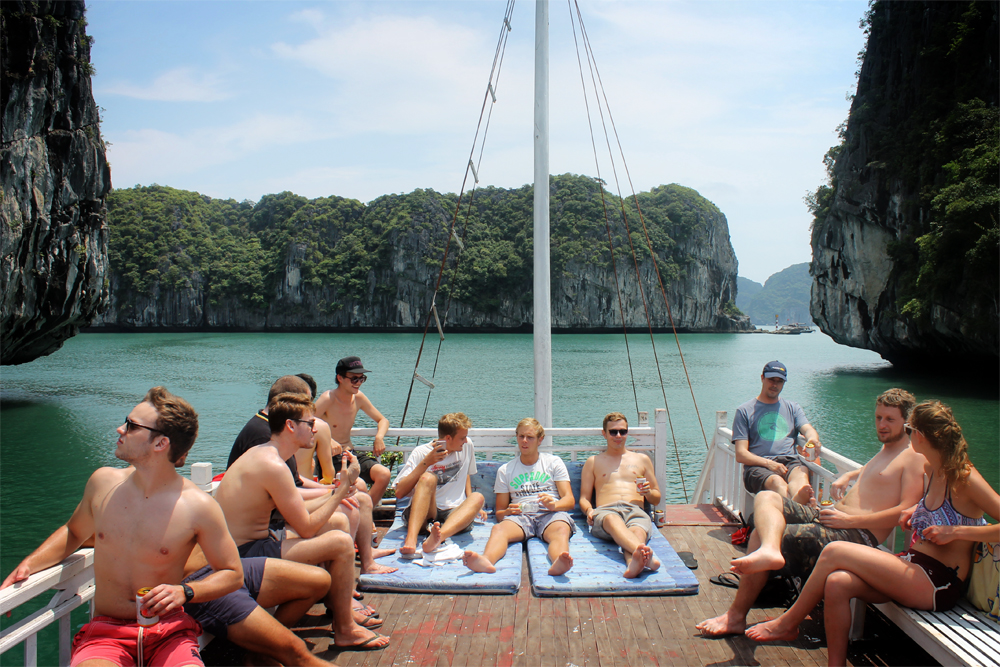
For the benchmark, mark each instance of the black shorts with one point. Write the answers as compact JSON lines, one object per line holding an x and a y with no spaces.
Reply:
{"x":266,"y":547}
{"x":805,"y":537}
{"x":365,"y":460}
{"x":217,"y":615}
{"x":755,"y":476}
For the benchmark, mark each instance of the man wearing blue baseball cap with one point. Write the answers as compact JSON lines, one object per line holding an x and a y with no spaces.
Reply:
{"x":764,"y":433}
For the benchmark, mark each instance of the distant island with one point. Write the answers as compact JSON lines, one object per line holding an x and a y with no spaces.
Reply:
{"x":182,"y":261}
{"x":784,"y":295}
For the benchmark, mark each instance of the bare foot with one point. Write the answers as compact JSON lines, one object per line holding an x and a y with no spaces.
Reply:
{"x":805,"y":496}
{"x":478,"y":562}
{"x":360,"y":638}
{"x":367,"y":622}
{"x":362,"y":608}
{"x":762,"y":560}
{"x":638,"y":562}
{"x":382,"y":553}
{"x":771,"y":631}
{"x":433,"y":540}
{"x":727,"y":624}
{"x":408,"y":549}
{"x":654,"y":562}
{"x":561,"y":565}
{"x":375,"y":568}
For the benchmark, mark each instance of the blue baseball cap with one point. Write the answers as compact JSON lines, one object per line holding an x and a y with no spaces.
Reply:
{"x":775,"y":369}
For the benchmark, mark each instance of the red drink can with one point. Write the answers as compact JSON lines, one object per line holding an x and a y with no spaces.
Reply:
{"x":141,"y":616}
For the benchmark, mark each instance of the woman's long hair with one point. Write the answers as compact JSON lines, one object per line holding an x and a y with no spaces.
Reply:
{"x":937,"y":424}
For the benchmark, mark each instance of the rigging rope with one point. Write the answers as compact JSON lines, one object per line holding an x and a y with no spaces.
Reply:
{"x":485,"y":110}
{"x":592,"y":65}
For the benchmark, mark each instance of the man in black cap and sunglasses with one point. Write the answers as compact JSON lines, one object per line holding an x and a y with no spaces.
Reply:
{"x":622,"y":481}
{"x":339,"y":408}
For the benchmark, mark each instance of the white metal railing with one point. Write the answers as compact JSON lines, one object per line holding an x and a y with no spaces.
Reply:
{"x":74,"y":580}
{"x":74,"y":577}
{"x":573,"y":441}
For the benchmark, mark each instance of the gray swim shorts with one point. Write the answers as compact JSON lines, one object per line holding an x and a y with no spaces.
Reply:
{"x":534,"y":525}
{"x":755,"y":476}
{"x":631,"y":514}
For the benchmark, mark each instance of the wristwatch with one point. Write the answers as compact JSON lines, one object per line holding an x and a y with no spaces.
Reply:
{"x":188,"y":593}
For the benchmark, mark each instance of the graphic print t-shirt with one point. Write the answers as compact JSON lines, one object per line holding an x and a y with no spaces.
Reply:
{"x":771,"y":428}
{"x":524,"y":482}
{"x":451,"y":473}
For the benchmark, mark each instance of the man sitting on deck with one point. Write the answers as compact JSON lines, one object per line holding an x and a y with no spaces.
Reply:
{"x":791,"y":535}
{"x":146,"y":519}
{"x":539,"y":484}
{"x":357,"y":509}
{"x":437,"y":475}
{"x":764,"y":433}
{"x":622,"y":480}
{"x":339,"y":408}
{"x":258,"y":482}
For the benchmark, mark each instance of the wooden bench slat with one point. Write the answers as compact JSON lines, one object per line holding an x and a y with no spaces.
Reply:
{"x":963,"y":634}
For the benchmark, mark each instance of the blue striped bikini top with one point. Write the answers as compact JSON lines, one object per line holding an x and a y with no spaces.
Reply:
{"x":945,"y":515}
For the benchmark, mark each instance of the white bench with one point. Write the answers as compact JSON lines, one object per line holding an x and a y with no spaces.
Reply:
{"x":961,"y":636}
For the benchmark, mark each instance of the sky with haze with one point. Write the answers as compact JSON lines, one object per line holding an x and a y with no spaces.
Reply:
{"x":242,"y":98}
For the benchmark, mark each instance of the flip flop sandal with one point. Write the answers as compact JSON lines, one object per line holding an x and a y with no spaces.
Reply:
{"x":365,"y":645}
{"x":727,"y":579}
{"x":366,"y":609}
{"x":371,"y":623}
{"x":358,"y":596}
{"x":688,"y":559}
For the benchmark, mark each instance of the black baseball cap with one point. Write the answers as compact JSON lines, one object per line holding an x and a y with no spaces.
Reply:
{"x":351,"y":365}
{"x":775,"y":369}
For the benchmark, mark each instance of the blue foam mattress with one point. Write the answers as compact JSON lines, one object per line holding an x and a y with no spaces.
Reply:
{"x":451,"y":577}
{"x":598,"y":567}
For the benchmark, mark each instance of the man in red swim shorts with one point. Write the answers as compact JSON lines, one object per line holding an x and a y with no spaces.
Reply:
{"x":145,"y":521}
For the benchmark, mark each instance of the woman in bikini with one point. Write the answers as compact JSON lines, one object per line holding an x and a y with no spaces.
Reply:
{"x":932,"y":573}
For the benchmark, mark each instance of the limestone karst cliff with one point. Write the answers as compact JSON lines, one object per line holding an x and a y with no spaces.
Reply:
{"x":905,"y":237}
{"x":183,"y":261}
{"x":53,"y":221}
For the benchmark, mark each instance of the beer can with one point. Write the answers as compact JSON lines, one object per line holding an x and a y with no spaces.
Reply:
{"x":141,"y":616}
{"x":810,"y":454}
{"x":639,"y":482}
{"x":827,"y":503}
{"x":659,"y":518}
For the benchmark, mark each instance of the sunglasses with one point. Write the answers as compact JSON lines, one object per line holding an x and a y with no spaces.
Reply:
{"x":311,"y":422}
{"x":618,"y":431}
{"x":358,"y":379}
{"x":909,"y":430}
{"x":129,"y":425}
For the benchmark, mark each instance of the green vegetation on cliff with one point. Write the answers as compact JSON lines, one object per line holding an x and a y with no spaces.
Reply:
{"x":167,"y":240}
{"x":927,"y":118}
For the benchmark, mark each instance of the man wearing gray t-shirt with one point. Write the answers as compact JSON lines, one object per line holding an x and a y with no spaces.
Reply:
{"x":764,"y":433}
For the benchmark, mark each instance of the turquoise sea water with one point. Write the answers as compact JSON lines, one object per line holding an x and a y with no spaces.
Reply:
{"x":58,"y":413}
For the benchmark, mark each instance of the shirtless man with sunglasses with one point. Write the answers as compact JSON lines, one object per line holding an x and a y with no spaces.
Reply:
{"x":339,"y":408}
{"x":616,"y":476}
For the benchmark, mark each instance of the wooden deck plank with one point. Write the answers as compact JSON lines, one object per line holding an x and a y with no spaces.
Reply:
{"x":520,"y":629}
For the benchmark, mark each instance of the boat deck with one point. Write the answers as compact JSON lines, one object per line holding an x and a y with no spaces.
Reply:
{"x":525,"y":630}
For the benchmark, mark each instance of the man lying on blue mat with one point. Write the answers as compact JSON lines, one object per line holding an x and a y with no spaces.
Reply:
{"x":437,"y":476}
{"x":539,"y":484}
{"x":622,"y":480}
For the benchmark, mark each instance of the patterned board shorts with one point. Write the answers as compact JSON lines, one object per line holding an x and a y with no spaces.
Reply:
{"x":805,"y":537}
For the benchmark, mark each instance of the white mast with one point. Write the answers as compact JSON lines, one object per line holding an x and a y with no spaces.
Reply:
{"x":542,"y":292}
